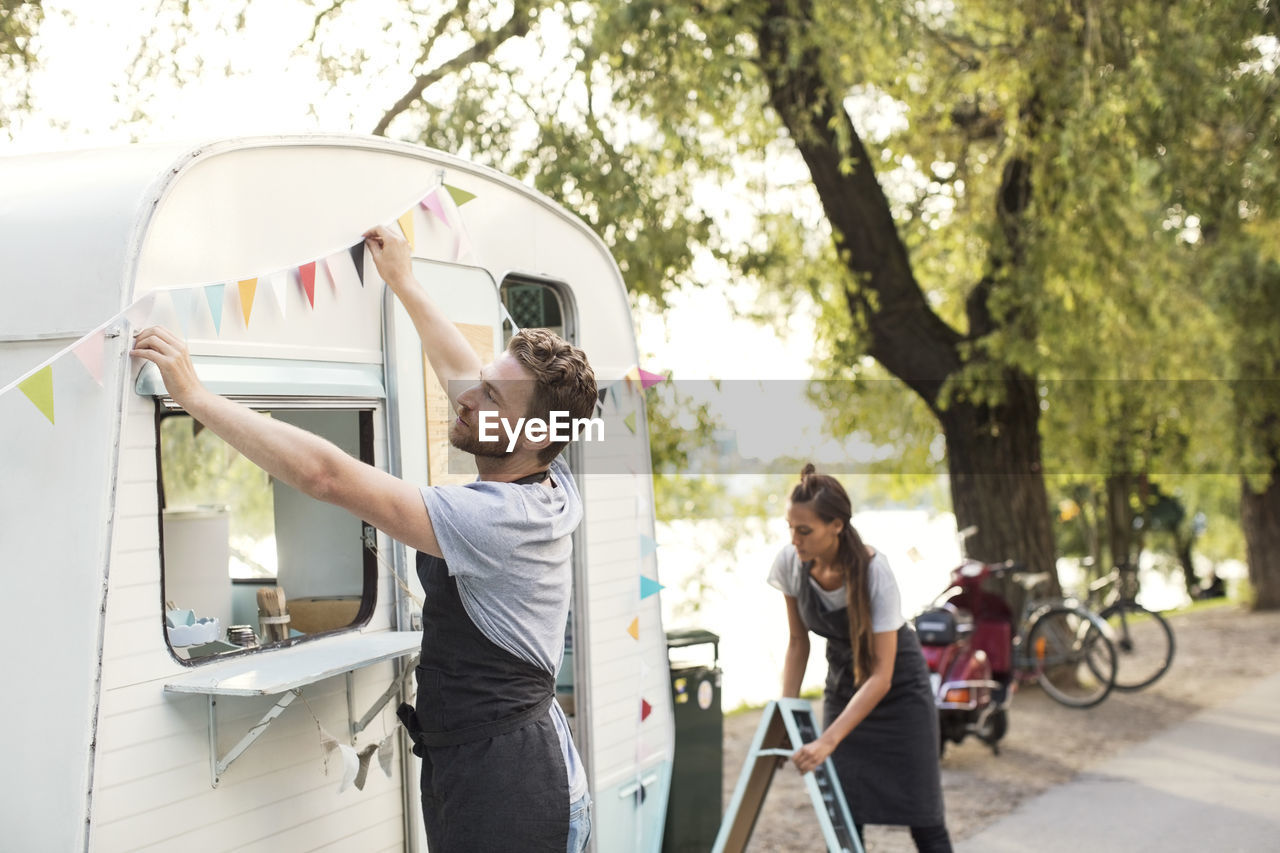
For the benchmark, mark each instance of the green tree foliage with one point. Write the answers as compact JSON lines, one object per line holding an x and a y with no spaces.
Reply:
{"x":19,"y":22}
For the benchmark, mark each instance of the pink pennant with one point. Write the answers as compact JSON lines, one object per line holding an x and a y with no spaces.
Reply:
{"x":307,"y":273}
{"x":432,"y":203}
{"x":90,"y":351}
{"x":648,"y":380}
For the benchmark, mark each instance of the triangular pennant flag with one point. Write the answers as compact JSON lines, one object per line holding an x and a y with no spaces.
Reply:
{"x":279,"y":283}
{"x":461,"y":246}
{"x":406,"y":226}
{"x":645,"y":669}
{"x":182,"y":307}
{"x":139,"y":313}
{"x":613,"y":392}
{"x":214,"y":294}
{"x":248,"y":287}
{"x":364,"y":756}
{"x":634,"y":628}
{"x":307,"y":275}
{"x":601,"y":393}
{"x":386,"y":752}
{"x":39,"y":389}
{"x":648,"y":587}
{"x":357,"y":257}
{"x":647,"y":545}
{"x":89,"y":351}
{"x":645,"y":710}
{"x":633,"y":377}
{"x":432,"y":203}
{"x":630,"y":421}
{"x":459,"y":196}
{"x":648,"y":380}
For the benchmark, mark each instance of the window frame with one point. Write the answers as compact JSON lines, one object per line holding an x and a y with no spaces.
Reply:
{"x":367,"y":409}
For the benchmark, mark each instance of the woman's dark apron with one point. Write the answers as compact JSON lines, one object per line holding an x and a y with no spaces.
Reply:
{"x":888,"y":765}
{"x":493,"y":773}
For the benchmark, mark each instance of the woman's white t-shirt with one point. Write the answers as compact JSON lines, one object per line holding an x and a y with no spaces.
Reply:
{"x":788,"y":574}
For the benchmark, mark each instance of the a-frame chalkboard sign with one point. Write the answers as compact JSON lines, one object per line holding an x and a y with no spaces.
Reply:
{"x":785,"y":724}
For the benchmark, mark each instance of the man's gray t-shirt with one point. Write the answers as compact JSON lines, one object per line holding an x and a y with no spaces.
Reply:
{"x":508,"y":547}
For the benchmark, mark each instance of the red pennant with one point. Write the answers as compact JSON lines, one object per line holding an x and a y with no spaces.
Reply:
{"x":307,"y":272}
{"x":645,"y":710}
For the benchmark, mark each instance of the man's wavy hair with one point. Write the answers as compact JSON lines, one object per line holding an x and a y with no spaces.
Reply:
{"x":563,"y":380}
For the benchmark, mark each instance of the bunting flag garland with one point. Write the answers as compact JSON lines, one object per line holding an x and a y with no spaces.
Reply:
{"x":39,"y":389}
{"x":182,"y":302}
{"x":307,"y":275}
{"x":90,"y":352}
{"x":214,"y":294}
{"x":647,"y":379}
{"x":406,"y":226}
{"x":279,"y":283}
{"x":634,"y":629}
{"x":37,"y":383}
{"x":357,"y":257}
{"x":432,"y":203}
{"x":648,"y":587}
{"x":459,"y":196}
{"x":248,"y":287}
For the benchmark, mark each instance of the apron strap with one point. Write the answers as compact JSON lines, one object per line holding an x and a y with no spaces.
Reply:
{"x":424,"y":740}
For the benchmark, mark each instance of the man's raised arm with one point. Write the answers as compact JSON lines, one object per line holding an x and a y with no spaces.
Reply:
{"x":451,"y":357}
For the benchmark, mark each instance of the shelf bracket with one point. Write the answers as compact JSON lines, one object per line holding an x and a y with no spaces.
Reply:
{"x":218,"y":766}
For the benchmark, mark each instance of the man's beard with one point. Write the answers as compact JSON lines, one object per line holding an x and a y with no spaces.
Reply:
{"x":462,"y":437}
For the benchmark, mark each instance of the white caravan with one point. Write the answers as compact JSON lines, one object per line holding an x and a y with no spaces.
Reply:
{"x":130,"y":722}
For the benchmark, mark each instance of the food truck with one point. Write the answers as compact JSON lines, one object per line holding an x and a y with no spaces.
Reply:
{"x":200,"y":657}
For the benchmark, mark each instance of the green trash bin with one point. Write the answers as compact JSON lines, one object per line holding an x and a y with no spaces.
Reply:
{"x":697,"y":774}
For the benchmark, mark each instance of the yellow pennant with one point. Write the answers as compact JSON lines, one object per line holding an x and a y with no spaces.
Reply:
{"x":248,"y":288}
{"x":634,"y":628}
{"x":39,"y":389}
{"x":406,"y":225}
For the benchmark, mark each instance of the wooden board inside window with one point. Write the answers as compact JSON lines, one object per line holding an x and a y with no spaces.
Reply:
{"x":447,"y":465}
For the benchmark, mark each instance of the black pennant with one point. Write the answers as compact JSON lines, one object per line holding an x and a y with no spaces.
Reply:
{"x":357,"y":255}
{"x":602,"y":393}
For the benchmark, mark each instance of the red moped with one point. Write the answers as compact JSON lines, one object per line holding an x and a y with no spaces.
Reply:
{"x":967,"y":643}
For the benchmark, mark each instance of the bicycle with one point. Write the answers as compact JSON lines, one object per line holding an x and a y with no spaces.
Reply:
{"x":1059,"y":644}
{"x":1143,"y":638}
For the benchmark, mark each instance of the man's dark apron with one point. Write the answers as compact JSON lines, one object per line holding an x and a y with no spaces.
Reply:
{"x":888,"y":765}
{"x":493,"y":773}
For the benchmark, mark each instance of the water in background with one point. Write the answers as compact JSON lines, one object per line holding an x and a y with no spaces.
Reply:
{"x":737,"y":602}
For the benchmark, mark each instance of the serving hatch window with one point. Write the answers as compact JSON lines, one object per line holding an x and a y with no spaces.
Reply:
{"x":248,"y":561}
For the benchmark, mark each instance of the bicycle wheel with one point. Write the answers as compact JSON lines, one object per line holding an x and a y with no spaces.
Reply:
{"x":1070,"y":656}
{"x":1143,"y":641}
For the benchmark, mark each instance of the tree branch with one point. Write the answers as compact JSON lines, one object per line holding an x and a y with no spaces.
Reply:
{"x":907,"y":336}
{"x":516,"y":26}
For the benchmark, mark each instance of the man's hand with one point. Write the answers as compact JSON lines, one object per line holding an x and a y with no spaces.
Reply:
{"x":391,"y":256}
{"x":812,"y":754}
{"x":166,"y":351}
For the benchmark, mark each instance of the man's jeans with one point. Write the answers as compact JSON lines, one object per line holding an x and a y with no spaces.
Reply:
{"x":579,"y":824}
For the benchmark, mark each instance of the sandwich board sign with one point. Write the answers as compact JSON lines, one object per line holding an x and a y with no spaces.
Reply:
{"x":785,"y":724}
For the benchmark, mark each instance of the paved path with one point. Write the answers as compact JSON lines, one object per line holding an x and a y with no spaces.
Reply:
{"x":1210,"y":783}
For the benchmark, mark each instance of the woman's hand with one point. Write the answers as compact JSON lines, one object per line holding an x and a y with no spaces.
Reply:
{"x":812,"y":754}
{"x":166,"y":351}
{"x":390,"y":255}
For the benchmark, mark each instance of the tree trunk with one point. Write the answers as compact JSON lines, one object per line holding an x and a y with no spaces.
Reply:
{"x":1260,"y":520}
{"x":1119,"y":489}
{"x":997,"y":482}
{"x":993,"y":452}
